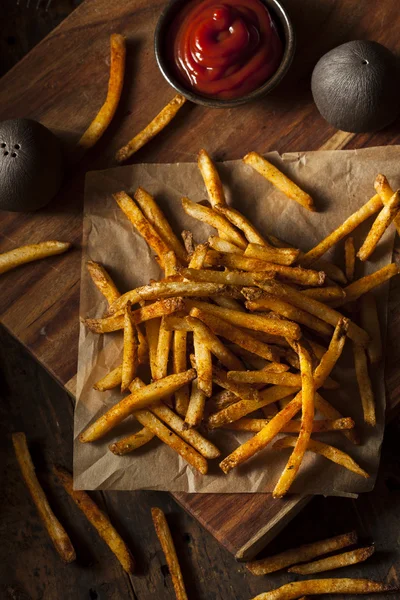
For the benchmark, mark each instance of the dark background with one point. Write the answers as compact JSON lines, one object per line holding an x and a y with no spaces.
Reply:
{"x":32,"y":402}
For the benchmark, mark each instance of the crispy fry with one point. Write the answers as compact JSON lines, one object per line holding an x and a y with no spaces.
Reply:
{"x":143,"y":347}
{"x":170,"y":263}
{"x":379,"y":226}
{"x":56,"y":531}
{"x":385,"y":192}
{"x":110,"y":381}
{"x":249,"y":377}
{"x":349,"y":257}
{"x":130,"y":359}
{"x":364,"y":384}
{"x":187,"y":237}
{"x":325,"y":294}
{"x":211,"y":179}
{"x":307,"y":417}
{"x":159,"y":122}
{"x":269,"y":302}
{"x":245,"y":392}
{"x":149,"y":395}
{"x":337,"y":561}
{"x":226,"y":302}
{"x":301,"y":554}
{"x":330,"y":412}
{"x":220,"y":245}
{"x":255,"y":425}
{"x":326,"y":450}
{"x":179,"y":365}
{"x":295,"y":589}
{"x":210,"y":277}
{"x":261,"y":439}
{"x":163,"y":350}
{"x":25,"y":254}
{"x":167,"y":545}
{"x":158,"y":220}
{"x":237,"y":219}
{"x":361,"y":215}
{"x":331,"y":356}
{"x":103,"y":281}
{"x":198,"y":257}
{"x":98,"y":519}
{"x":152,"y":328}
{"x":195,"y":411}
{"x":203,"y":365}
{"x":367,"y":283}
{"x":325,"y":313}
{"x":279,"y":180}
{"x":214,"y":344}
{"x":281,"y":256}
{"x":223,"y":399}
{"x":209,"y":216}
{"x":370,"y":322}
{"x":332,"y":271}
{"x":131,"y":442}
{"x":115,"y":83}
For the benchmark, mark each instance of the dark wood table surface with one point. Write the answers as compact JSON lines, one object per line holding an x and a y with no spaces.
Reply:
{"x":30,"y":400}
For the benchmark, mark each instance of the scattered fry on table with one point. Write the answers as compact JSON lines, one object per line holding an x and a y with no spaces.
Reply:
{"x":337,"y":561}
{"x":132,"y":442}
{"x":110,"y":381}
{"x":103,"y":281}
{"x":364,"y":384}
{"x":26,"y":254}
{"x":385,"y":192}
{"x":291,"y":591}
{"x":379,"y":226}
{"x":211,"y":179}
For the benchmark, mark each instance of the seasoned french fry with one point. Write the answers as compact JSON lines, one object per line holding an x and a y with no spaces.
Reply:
{"x":223,"y":399}
{"x":170,"y":265}
{"x":325,"y":313}
{"x":370,"y":322}
{"x":167,"y":545}
{"x":361,"y":215}
{"x":261,"y":439}
{"x":195,"y":411}
{"x":301,"y":554}
{"x":211,"y":179}
{"x":249,"y":377}
{"x":209,"y":216}
{"x":255,"y":425}
{"x":349,"y":257}
{"x":103,"y":281}
{"x":325,"y":294}
{"x":332,"y":271}
{"x":115,"y":83}
{"x":330,"y":412}
{"x":220,"y":245}
{"x":307,"y":417}
{"x":157,"y":219}
{"x":210,"y":277}
{"x":152,"y":328}
{"x":163,"y":118}
{"x":385,"y":192}
{"x":237,"y":219}
{"x":130,"y":359}
{"x":269,"y":302}
{"x":226,"y":302}
{"x":25,"y":254}
{"x":368,"y":283}
{"x":131,"y":442}
{"x":214,"y":344}
{"x":281,"y":256}
{"x":147,"y":396}
{"x":326,"y":450}
{"x":110,"y":381}
{"x":245,"y":392}
{"x":295,"y":589}
{"x":331,"y":356}
{"x":337,"y":561}
{"x":364,"y":384}
{"x":187,"y":237}
{"x":163,"y":351}
{"x":379,"y":226}
{"x":98,"y":519}
{"x":179,"y":365}
{"x":143,"y":347}
{"x":56,"y":531}
{"x":198,"y":257}
{"x":203,"y":365}
{"x":279,"y":180}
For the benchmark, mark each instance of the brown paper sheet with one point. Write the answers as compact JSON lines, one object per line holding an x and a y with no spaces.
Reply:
{"x":340,"y":182}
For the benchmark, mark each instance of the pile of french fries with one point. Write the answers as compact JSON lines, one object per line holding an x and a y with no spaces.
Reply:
{"x":243,"y":331}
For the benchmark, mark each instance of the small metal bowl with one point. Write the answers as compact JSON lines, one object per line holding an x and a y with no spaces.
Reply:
{"x":285,"y":30}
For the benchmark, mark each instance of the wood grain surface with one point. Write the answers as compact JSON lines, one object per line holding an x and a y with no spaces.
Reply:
{"x":62,"y":83}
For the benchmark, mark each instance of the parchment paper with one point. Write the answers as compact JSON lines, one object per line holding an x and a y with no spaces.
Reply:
{"x":340,"y":182}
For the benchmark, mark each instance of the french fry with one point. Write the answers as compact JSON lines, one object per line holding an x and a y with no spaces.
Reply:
{"x":195,"y":410}
{"x":349,"y":258}
{"x":325,"y":294}
{"x":368,"y":283}
{"x":157,"y":219}
{"x":170,"y":265}
{"x":281,"y":256}
{"x":249,"y":377}
{"x":209,"y":216}
{"x":163,"y":351}
{"x":245,"y":392}
{"x":198,"y":257}
{"x":364,"y":384}
{"x":234,"y":334}
{"x":226,"y":302}
{"x":115,"y":83}
{"x":132,"y":442}
{"x":370,"y":322}
{"x":303,"y":553}
{"x":330,"y":412}
{"x":110,"y":381}
{"x":167,"y":544}
{"x":361,"y":215}
{"x":26,"y":254}
{"x":320,"y":426}
{"x":211,"y":179}
{"x":214,"y":344}
{"x":385,"y":192}
{"x":130,"y":359}
{"x":269,"y":302}
{"x":203,"y":365}
{"x":237,"y":219}
{"x":331,"y":356}
{"x":152,"y":328}
{"x":56,"y":531}
{"x":332,"y":271}
{"x":307,"y":417}
{"x":337,"y":561}
{"x":187,"y":237}
{"x":98,"y":519}
{"x":143,"y":347}
{"x":323,"y":312}
{"x":220,"y":245}
{"x":103,"y":281}
{"x":326,"y":450}
{"x":287,"y":329}
{"x":141,"y":398}
{"x":210,"y":277}
{"x":295,"y":589}
{"x":159,"y":122}
{"x":180,"y":365}
{"x":379,"y":226}
{"x":296,"y":275}
{"x":261,"y":439}
{"x":279,"y":180}
{"x":223,"y":399}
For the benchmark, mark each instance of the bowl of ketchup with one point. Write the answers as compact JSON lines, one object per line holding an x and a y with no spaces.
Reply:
{"x":223,"y":53}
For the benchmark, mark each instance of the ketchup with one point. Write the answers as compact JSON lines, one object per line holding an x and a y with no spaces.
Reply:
{"x":224,"y":49}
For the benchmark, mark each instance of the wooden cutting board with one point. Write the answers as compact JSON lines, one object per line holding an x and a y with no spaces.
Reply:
{"x":62,"y":83}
